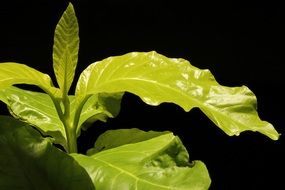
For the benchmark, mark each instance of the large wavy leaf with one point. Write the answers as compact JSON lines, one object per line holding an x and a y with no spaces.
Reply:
{"x":65,"y":48}
{"x":28,"y":161}
{"x":155,"y":164}
{"x":156,"y":79}
{"x":15,"y":73}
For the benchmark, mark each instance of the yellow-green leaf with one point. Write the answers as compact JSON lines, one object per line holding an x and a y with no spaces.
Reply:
{"x":114,"y":138}
{"x":15,"y":73}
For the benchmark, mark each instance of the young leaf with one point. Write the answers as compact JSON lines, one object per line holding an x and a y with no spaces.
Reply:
{"x":15,"y":73}
{"x":28,"y":161}
{"x":156,"y":164}
{"x":36,"y":109}
{"x":156,"y":79}
{"x":65,"y":48}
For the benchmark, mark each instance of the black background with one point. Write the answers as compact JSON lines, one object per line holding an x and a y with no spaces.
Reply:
{"x":240,"y":44}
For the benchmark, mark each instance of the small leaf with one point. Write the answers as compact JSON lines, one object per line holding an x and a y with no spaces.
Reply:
{"x":15,"y":73}
{"x":155,"y":164}
{"x":114,"y":138}
{"x":65,"y":48}
{"x":36,"y":109}
{"x":98,"y":107}
{"x":156,"y":79}
{"x":28,"y":161}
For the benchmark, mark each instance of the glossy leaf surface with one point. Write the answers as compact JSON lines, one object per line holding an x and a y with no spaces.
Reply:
{"x":15,"y":73}
{"x":28,"y":161}
{"x":156,"y":79}
{"x":156,"y":164}
{"x":38,"y":110}
{"x":65,"y":48}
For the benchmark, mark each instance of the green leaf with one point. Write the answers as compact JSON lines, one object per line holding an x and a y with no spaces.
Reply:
{"x":28,"y":161}
{"x":65,"y":48}
{"x":98,"y":107}
{"x":156,"y":164}
{"x":15,"y":73}
{"x":114,"y":138}
{"x":36,"y":109}
{"x":156,"y":79}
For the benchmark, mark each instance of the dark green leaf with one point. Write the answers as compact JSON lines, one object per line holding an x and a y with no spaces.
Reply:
{"x":28,"y":161}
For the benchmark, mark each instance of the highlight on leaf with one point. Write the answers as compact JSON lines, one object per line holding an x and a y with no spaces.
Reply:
{"x":16,"y":73}
{"x":156,"y":78}
{"x":36,"y":109}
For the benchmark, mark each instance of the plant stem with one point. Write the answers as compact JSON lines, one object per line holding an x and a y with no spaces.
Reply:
{"x":78,"y":111}
{"x":69,"y":126}
{"x":71,"y":136}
